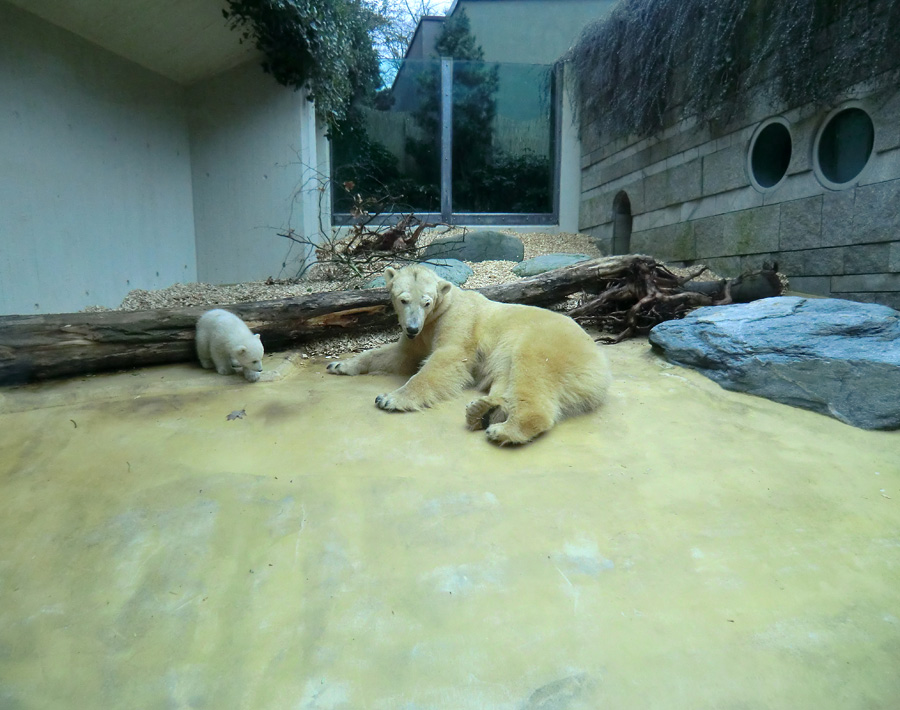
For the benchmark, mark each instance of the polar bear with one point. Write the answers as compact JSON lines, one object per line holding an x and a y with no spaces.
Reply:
{"x":536,"y":366}
{"x":225,"y":342}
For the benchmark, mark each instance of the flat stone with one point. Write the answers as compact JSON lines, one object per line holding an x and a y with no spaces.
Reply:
{"x":725,"y":170}
{"x":674,"y":242}
{"x":547,"y":262}
{"x":452,"y":270}
{"x":827,"y":261}
{"x":800,"y":226}
{"x":484,"y":245}
{"x":867,"y":258}
{"x":674,"y":186}
{"x":875,"y":216}
{"x":833,"y":356}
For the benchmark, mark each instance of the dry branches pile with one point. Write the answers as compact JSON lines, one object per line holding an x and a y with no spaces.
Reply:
{"x":644,"y":293}
{"x":369,"y":246}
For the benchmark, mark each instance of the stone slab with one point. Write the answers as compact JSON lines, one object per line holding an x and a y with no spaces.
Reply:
{"x":483,"y":245}
{"x":833,"y":356}
{"x":452,"y":270}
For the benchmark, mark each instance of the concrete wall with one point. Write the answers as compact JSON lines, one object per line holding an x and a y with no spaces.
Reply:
{"x":95,"y":178}
{"x":250,"y":140}
{"x":114,"y":178}
{"x":692,"y":199}
{"x":530,"y":31}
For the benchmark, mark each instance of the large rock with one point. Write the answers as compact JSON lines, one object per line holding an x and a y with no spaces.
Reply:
{"x":836,"y":357}
{"x":483,"y":245}
{"x":452,"y":270}
{"x":547,"y":262}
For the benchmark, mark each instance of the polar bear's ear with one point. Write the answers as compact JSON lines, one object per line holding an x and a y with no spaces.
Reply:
{"x":444,"y":287}
{"x":241,"y":349}
{"x":389,"y":275}
{"x":257,"y":336}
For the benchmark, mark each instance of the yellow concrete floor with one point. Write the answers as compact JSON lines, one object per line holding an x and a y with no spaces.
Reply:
{"x":685,"y":547}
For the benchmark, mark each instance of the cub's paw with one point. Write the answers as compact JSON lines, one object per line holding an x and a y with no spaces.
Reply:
{"x":393,"y":402}
{"x":482,"y":412}
{"x":252,"y":376}
{"x":340,"y":368}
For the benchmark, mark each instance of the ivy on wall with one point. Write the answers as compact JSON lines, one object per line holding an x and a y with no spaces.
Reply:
{"x":652,"y":62}
{"x":321,"y":45}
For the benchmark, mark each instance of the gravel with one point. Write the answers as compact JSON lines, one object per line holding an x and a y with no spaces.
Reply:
{"x":320,"y":280}
{"x":323,"y":279}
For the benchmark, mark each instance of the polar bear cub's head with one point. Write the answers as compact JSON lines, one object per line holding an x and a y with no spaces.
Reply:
{"x":416,"y":292}
{"x":249,"y":354}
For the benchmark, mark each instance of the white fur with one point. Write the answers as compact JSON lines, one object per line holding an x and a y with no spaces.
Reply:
{"x":536,"y":366}
{"x":224,"y":342}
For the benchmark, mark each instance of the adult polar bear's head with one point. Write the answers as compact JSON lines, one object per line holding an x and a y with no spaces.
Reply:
{"x":416,"y":292}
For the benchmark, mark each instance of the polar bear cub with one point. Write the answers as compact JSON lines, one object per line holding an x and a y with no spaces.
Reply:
{"x":535,"y":366}
{"x":225,"y":342}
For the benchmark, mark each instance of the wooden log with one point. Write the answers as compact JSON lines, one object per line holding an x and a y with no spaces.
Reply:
{"x":60,"y":345}
{"x":745,"y":288}
{"x":39,"y":347}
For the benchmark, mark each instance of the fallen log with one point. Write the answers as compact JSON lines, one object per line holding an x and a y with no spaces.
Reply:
{"x":39,"y":347}
{"x":635,"y":292}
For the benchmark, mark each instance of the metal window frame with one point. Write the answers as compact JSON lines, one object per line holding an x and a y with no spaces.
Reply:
{"x":447,"y":215}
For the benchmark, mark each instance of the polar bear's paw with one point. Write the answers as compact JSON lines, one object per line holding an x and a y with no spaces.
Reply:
{"x":482,"y":412}
{"x":504,"y":435}
{"x":520,"y":430}
{"x":340,"y":368}
{"x":396,"y":402}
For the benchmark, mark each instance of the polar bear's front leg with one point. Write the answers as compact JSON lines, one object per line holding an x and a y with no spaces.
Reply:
{"x":392,"y":358}
{"x":444,"y":374}
{"x":224,"y":363}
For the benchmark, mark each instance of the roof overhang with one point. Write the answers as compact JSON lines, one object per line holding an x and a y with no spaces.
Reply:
{"x":184,"y":40}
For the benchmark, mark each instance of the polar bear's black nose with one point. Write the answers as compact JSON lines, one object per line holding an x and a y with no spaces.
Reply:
{"x":412,"y":332}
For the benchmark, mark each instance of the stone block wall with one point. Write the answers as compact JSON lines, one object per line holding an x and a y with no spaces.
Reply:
{"x":692,"y":199}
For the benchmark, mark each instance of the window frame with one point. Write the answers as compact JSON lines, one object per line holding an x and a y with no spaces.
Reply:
{"x":817,"y":167}
{"x":749,"y":161}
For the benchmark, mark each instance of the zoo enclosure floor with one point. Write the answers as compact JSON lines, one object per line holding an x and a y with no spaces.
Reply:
{"x":683,"y":547}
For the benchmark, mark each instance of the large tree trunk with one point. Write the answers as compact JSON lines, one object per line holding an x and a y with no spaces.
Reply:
{"x":60,"y":345}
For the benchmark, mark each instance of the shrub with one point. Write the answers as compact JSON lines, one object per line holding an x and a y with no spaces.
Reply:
{"x":652,"y":62}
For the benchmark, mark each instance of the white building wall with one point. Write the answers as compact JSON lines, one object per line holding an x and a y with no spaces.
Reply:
{"x":95,"y":180}
{"x":530,"y":31}
{"x":250,"y":141}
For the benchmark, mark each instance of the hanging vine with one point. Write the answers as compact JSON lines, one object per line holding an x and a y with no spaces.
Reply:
{"x":652,"y":62}
{"x":323,"y":46}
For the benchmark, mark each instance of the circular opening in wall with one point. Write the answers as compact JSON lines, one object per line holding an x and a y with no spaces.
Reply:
{"x":770,"y":154}
{"x":843,"y":146}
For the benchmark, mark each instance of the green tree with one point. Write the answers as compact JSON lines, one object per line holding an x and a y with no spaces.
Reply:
{"x":474,"y":108}
{"x":485,"y":178}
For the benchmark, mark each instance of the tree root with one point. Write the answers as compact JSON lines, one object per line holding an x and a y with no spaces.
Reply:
{"x":645,"y":293}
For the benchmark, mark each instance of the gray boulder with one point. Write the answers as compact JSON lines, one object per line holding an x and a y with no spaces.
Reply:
{"x":836,"y":357}
{"x":483,"y":245}
{"x":452,"y":270}
{"x":547,"y":262}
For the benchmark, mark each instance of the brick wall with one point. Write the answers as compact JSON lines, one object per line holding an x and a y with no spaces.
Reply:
{"x":692,"y":199}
